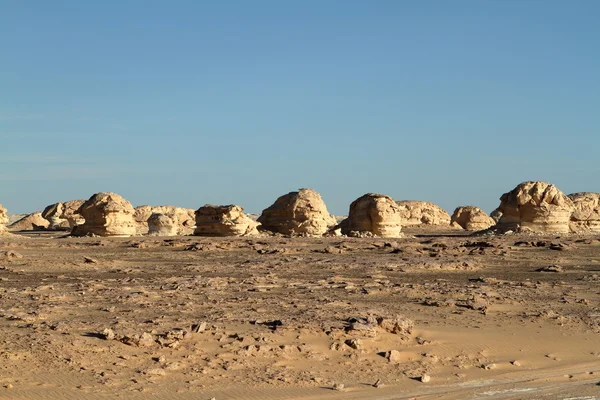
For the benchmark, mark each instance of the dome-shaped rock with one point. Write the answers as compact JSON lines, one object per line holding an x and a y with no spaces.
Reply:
{"x":106,"y":214}
{"x":422,"y":213}
{"x":298,"y":213}
{"x":537,"y":207}
{"x":183,"y":218}
{"x":471,"y":218}
{"x":227,"y":220}
{"x":377,"y":214}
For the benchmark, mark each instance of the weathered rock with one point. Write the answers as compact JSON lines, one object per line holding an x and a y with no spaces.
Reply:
{"x":496,"y":215}
{"x":586,"y":216}
{"x":375,"y":214}
{"x":31,"y":222}
{"x":422,"y":213}
{"x":106,"y":214}
{"x":471,"y":218}
{"x":535,"y":207}
{"x":3,"y":218}
{"x":184,"y":219}
{"x":298,"y":213}
{"x":228,"y":220}
{"x":162,"y":225}
{"x":63,"y":216}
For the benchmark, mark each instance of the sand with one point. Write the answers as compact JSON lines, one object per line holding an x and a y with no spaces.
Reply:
{"x":271,"y":317}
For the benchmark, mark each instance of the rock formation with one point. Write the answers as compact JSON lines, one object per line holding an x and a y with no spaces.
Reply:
{"x":63,"y":216}
{"x":536,"y":207}
{"x":106,"y":214}
{"x":183,"y":218}
{"x":3,"y":219}
{"x":471,"y":218}
{"x":227,"y":220}
{"x":31,"y":222}
{"x":163,"y":225}
{"x":422,"y":213}
{"x":298,"y":213}
{"x":372,"y":213}
{"x":496,"y":215}
{"x":586,"y":217}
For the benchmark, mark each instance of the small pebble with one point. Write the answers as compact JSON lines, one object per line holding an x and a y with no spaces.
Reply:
{"x":425,"y":378}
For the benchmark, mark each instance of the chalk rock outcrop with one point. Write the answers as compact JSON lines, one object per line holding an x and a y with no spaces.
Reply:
{"x":586,"y":217}
{"x":163,"y":225}
{"x":106,"y":214}
{"x":3,"y":218}
{"x":183,"y":218}
{"x":31,"y":222}
{"x":422,"y":213}
{"x":298,"y":213}
{"x":535,"y":207}
{"x":227,"y":220}
{"x":375,"y":214}
{"x":63,"y":215}
{"x":471,"y":218}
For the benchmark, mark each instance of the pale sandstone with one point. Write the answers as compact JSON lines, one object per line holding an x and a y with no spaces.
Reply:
{"x":106,"y":214}
{"x":586,"y":216}
{"x":30,"y":222}
{"x":373,"y":214}
{"x":228,"y":220}
{"x":535,"y":207}
{"x":471,"y":218}
{"x":298,"y":213}
{"x":422,"y":213}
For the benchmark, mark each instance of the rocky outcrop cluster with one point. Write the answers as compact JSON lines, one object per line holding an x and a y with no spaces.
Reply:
{"x":298,"y":213}
{"x":471,"y":218}
{"x":31,"y":222}
{"x":586,"y":214}
{"x":375,"y":214}
{"x":227,"y":220}
{"x":63,"y":215}
{"x":535,"y":207}
{"x":182,"y":220}
{"x":422,"y":213}
{"x":106,"y":214}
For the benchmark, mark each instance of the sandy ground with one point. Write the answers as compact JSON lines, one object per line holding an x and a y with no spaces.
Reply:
{"x":435,"y":316}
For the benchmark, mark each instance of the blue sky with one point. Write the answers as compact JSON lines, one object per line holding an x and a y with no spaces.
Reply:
{"x":194,"y":102}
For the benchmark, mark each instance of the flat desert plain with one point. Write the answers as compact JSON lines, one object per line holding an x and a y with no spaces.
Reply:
{"x":434,"y":315}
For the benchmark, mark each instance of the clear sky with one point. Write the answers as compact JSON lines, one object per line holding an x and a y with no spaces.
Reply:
{"x":194,"y":102}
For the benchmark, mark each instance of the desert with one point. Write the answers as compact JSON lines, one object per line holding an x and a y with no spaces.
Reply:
{"x":396,"y":301}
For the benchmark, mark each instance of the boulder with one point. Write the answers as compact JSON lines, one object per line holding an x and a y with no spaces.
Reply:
{"x":183,"y":218}
{"x":163,"y":225}
{"x":63,"y":215}
{"x":471,"y":218}
{"x":373,"y":214}
{"x":422,"y":213}
{"x":535,"y":207}
{"x":106,"y":214}
{"x":298,"y":213}
{"x":227,"y":220}
{"x":586,"y":216}
{"x":31,"y":222}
